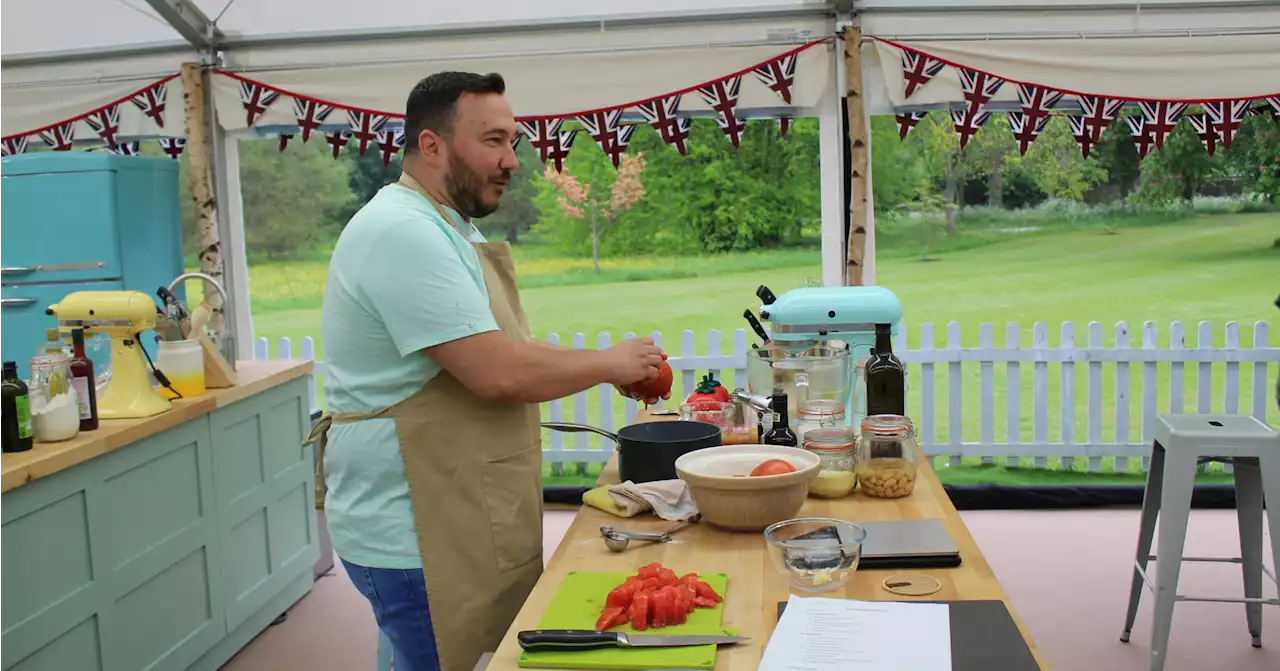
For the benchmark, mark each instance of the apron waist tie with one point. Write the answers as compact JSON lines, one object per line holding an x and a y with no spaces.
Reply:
{"x":319,"y":437}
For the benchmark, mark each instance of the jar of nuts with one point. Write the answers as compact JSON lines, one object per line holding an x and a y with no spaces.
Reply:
{"x":886,"y":462}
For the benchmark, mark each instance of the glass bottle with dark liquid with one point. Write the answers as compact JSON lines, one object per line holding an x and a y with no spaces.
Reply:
{"x":886,"y":378}
{"x":18,"y":434}
{"x":780,"y":433}
{"x":83,"y":379}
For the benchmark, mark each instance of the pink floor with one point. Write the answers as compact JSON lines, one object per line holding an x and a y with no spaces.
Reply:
{"x":1066,"y":572}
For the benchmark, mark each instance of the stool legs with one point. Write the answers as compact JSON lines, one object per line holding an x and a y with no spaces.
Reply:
{"x":1269,"y":464}
{"x":1248,"y":476}
{"x":1146,"y":530}
{"x":1175,"y":507}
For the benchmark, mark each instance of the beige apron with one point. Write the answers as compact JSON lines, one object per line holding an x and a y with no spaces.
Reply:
{"x":474,"y":469}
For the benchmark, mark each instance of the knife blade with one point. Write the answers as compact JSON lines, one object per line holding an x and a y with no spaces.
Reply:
{"x":568,"y":640}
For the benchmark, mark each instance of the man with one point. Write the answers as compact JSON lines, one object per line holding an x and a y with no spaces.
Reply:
{"x":433,"y":461}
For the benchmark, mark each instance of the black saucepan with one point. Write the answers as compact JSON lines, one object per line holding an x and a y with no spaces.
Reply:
{"x":648,"y":452}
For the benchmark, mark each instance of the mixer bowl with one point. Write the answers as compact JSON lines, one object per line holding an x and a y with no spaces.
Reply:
{"x":828,"y":370}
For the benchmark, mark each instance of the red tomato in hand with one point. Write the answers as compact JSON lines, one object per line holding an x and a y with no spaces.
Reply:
{"x":773,"y":467}
{"x":658,"y":387}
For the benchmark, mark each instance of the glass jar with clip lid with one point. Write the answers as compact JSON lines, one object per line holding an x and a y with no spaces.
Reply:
{"x":886,"y":461}
{"x":837,"y":450}
{"x":820,"y":413}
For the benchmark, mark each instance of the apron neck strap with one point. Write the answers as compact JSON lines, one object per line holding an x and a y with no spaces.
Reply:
{"x":406,"y":180}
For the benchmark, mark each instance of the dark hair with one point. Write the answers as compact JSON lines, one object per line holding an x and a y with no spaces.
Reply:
{"x":433,"y":100}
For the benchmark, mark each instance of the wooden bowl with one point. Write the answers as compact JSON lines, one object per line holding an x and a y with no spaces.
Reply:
{"x":746,"y":503}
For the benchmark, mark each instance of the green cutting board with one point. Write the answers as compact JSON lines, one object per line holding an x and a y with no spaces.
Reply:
{"x":577,"y":605}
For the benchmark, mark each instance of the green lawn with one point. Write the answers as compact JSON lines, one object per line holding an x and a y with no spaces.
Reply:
{"x":1215,"y":268}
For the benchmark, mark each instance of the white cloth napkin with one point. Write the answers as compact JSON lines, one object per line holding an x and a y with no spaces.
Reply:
{"x":668,"y":499}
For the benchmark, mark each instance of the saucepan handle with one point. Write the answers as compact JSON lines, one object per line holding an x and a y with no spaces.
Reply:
{"x":579,"y":428}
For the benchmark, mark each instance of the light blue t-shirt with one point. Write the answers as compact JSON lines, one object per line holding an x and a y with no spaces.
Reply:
{"x":401,"y":279}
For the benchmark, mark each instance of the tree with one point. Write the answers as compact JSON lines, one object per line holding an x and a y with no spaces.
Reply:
{"x":989,"y":153}
{"x":596,"y":203}
{"x":292,"y":199}
{"x":1055,"y":163}
{"x":1177,"y":170}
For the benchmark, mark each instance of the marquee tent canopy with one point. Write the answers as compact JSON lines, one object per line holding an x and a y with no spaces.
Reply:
{"x":62,"y":59}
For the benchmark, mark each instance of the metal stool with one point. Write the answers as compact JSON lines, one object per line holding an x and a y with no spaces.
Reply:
{"x":1181,"y":443}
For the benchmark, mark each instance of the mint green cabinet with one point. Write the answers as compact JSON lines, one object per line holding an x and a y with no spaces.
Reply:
{"x":170,"y":553}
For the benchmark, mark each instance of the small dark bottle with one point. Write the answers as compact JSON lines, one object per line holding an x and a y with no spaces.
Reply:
{"x":18,"y":434}
{"x":83,"y":379}
{"x":780,"y":434}
{"x":886,"y":378}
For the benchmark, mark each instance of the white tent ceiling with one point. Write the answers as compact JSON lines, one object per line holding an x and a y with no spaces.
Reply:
{"x":562,"y":56}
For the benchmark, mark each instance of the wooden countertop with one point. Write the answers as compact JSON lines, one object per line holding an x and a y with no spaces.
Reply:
{"x":755,"y":588}
{"x":45,"y":459}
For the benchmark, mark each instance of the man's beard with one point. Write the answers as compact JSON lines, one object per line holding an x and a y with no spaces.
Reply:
{"x":466,"y":190}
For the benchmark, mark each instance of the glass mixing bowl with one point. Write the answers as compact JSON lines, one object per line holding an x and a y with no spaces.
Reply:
{"x":811,"y":374}
{"x":815,"y":554}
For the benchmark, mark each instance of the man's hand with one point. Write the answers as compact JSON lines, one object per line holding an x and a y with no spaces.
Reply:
{"x":645,"y":346}
{"x":632,"y":361}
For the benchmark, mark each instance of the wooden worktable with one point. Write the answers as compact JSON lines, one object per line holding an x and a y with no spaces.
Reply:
{"x":755,"y":588}
{"x":45,"y":459}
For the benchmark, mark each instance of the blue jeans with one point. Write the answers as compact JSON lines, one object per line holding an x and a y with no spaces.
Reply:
{"x":399,"y":601}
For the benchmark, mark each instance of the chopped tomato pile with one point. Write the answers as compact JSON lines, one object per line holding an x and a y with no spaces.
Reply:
{"x":655,"y":598}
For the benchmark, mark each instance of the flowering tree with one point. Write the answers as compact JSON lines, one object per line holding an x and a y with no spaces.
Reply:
{"x":596,"y":205}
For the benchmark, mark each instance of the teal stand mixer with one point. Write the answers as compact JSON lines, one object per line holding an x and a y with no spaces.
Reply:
{"x":807,"y":320}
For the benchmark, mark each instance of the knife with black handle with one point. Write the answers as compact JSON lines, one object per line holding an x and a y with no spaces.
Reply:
{"x":569,"y":640}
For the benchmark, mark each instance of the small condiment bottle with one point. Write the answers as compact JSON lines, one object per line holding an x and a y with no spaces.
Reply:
{"x":19,"y":435}
{"x":780,"y":433}
{"x":83,"y":379}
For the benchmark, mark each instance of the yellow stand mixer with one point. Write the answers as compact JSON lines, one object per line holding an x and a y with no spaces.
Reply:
{"x":122,"y":315}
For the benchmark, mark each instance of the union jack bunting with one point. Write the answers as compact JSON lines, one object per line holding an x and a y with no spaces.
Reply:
{"x":255,"y":98}
{"x":967,"y":126}
{"x":1080,"y":131}
{"x":106,"y":123}
{"x":1204,"y":128}
{"x":389,"y":144}
{"x":543,"y":135}
{"x":907,"y":122}
{"x":311,"y":114}
{"x":564,"y":141}
{"x":151,"y":102}
{"x":60,"y":137}
{"x":365,"y":127}
{"x":979,"y":87}
{"x":784,"y":125}
{"x":917,"y":70}
{"x":1263,"y":110}
{"x":284,"y":141}
{"x":661,"y":114}
{"x":515,"y":139}
{"x":1142,"y":137}
{"x":1026,"y":129}
{"x":779,"y":75}
{"x":722,"y":96}
{"x":1098,"y":113}
{"x":605,"y":129}
{"x":337,"y":140}
{"x":1037,"y":101}
{"x":1225,"y":118}
{"x":1275,"y":103}
{"x":124,"y":149}
{"x":173,"y":146}
{"x":1160,"y":119}
{"x":14,"y":146}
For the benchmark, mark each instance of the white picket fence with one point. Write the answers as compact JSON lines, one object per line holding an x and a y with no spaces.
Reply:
{"x":1105,"y":435}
